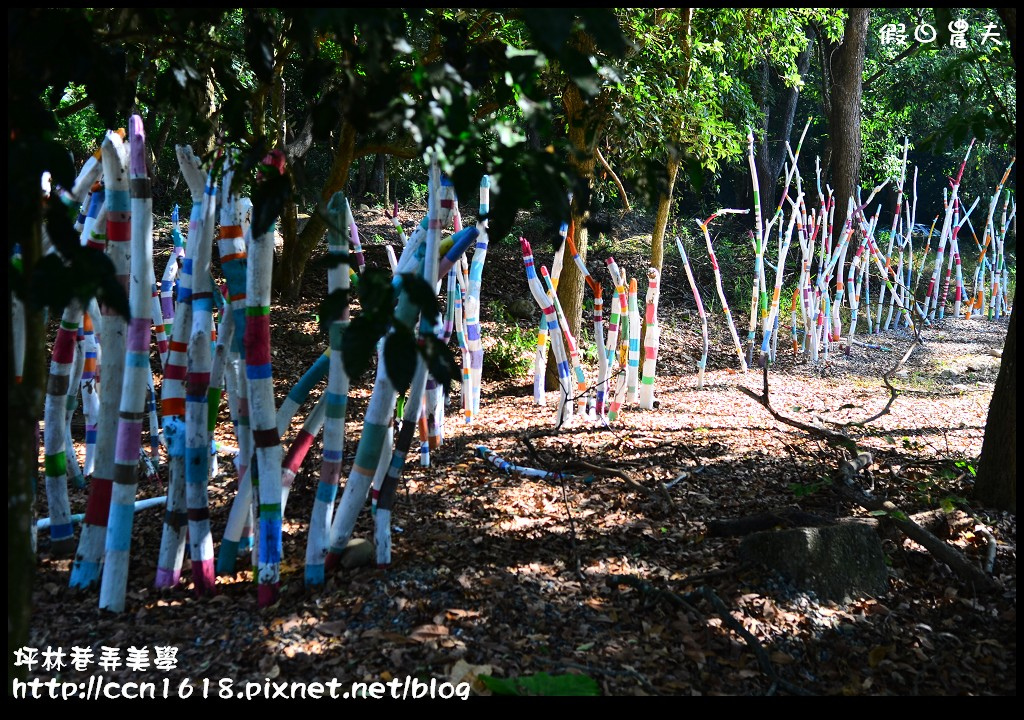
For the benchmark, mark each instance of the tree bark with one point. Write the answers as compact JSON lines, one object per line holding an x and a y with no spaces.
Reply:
{"x":24,"y":407}
{"x":662,"y":213}
{"x":674,"y":161}
{"x":583,"y":133}
{"x":996,"y":484}
{"x":288,"y":273}
{"x":844,"y":72}
{"x":779,"y":106}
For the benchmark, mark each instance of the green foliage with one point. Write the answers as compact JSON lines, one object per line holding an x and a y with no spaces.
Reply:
{"x":512,"y":353}
{"x":543,"y":684}
{"x":801,"y":490}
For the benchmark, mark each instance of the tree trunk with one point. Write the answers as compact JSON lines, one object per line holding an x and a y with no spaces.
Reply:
{"x":996,"y":484}
{"x":375,"y":187}
{"x":24,"y":407}
{"x":583,"y":136}
{"x":779,"y":105}
{"x":844,"y":71}
{"x":661,"y":216}
{"x":288,"y":273}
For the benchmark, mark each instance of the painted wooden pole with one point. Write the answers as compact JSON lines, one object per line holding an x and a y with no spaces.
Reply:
{"x":758,"y":241}
{"x":794,"y":334}
{"x":419,"y":257}
{"x":932,"y":295}
{"x":773,"y":313}
{"x":540,"y":360}
{"x":310,"y":379}
{"x":300,"y":447}
{"x":88,"y":562}
{"x":476,"y":271}
{"x":990,"y":225}
{"x":651,"y":339}
{"x":620,"y":395}
{"x":564,"y":407}
{"x":393,"y":217}
{"x":575,"y":364}
{"x":391,"y":463}
{"x":718,"y":283}
{"x":197,"y":386}
{"x":601,"y":390}
{"x":959,"y":279}
{"x":89,"y":391}
{"x":97,"y":197}
{"x":357,"y":247}
{"x":55,"y":427}
{"x":262,"y":411}
{"x":237,"y":539}
{"x":941,"y":306}
{"x":703,"y":362}
{"x":892,"y":230}
{"x":633,"y":368}
{"x":462,"y":286}
{"x":172,"y":405}
{"x":619,"y":317}
{"x":946,"y":233}
{"x":485,"y":453}
{"x":231,"y":246}
{"x":337,"y":399}
{"x":853,"y":287}
{"x":170,"y":275}
{"x":136,"y":372}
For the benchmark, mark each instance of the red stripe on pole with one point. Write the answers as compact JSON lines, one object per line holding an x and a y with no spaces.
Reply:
{"x":97,"y":510}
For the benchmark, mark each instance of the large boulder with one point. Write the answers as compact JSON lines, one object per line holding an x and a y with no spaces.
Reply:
{"x":837,"y":562}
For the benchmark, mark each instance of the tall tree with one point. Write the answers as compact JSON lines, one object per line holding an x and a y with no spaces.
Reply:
{"x":842,"y":73}
{"x":996,"y":482}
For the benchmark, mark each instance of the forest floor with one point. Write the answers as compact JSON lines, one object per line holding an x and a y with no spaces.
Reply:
{"x":510,"y":576}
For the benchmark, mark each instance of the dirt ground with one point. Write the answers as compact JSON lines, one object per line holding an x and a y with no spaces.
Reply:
{"x":509,"y":576}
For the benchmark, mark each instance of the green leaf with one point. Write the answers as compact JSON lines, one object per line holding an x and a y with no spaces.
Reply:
{"x":421,"y":294}
{"x":331,"y":308}
{"x":358,"y":344}
{"x":400,"y":358}
{"x":498,"y":686}
{"x":333,"y":260}
{"x":268,"y":199}
{"x":376,"y":294}
{"x":543,"y":684}
{"x":259,"y":46}
{"x":440,"y":361}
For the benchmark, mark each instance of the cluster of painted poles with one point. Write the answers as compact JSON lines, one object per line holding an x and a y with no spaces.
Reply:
{"x":211,"y":338}
{"x":816,"y":320}
{"x":618,"y":350}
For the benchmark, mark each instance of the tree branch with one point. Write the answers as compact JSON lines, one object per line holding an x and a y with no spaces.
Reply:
{"x":686,"y":602}
{"x":833,"y":438}
{"x":942,"y":551}
{"x":406,"y":152}
{"x":912,"y":49}
{"x":615,"y":179}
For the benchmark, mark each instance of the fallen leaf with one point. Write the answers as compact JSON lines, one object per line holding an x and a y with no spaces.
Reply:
{"x":428,"y":632}
{"x":334,"y":628}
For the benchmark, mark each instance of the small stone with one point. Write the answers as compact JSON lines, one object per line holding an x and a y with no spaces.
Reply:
{"x":995,"y":352}
{"x":522,"y":308}
{"x":363,"y":207}
{"x":359,"y":552}
{"x":838,"y":562}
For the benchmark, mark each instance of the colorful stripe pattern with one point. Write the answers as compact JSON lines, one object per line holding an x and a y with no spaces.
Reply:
{"x":136,"y":373}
